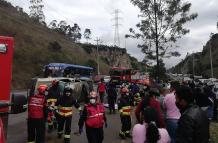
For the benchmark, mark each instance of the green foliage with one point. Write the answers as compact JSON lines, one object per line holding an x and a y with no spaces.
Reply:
{"x":54,"y":46}
{"x":161,"y":23}
{"x":5,"y":3}
{"x":92,"y":63}
{"x":162,"y":71}
{"x":87,"y":48}
{"x":87,"y":34}
{"x":72,"y":32}
{"x":36,"y":12}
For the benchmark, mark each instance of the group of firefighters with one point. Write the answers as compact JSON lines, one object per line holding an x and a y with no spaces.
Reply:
{"x":54,"y":105}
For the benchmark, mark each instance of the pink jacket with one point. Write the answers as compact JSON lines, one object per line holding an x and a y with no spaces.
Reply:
{"x":169,"y":105}
{"x":139,"y":134}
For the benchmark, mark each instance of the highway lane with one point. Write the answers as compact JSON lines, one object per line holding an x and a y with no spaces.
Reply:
{"x":17,"y":129}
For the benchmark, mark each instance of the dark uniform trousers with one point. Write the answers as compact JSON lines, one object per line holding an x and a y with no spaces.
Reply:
{"x":101,"y":94}
{"x":36,"y":128}
{"x":95,"y":135}
{"x":126,"y":123}
{"x":67,"y":121}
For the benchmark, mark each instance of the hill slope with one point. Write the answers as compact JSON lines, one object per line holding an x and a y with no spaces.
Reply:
{"x":37,"y":45}
{"x":201,"y":60}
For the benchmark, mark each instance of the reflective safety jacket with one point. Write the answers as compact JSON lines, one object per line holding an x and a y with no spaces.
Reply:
{"x":124,"y":106}
{"x":137,"y":98}
{"x":65,"y":105}
{"x":101,"y":87}
{"x":36,"y":106}
{"x":93,"y":116}
{"x":53,"y":94}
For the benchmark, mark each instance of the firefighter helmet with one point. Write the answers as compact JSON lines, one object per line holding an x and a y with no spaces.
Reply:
{"x":42,"y":88}
{"x":54,"y":82}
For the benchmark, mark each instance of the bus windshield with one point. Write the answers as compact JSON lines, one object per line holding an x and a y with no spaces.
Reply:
{"x":67,"y":70}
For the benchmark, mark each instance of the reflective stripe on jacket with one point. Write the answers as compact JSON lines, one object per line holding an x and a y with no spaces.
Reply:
{"x":65,"y":111}
{"x":95,"y":118}
{"x":125,"y":110}
{"x":36,"y":106}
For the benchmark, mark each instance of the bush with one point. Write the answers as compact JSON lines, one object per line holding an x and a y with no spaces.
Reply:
{"x":54,"y":46}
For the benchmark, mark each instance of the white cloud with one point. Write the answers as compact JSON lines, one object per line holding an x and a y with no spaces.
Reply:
{"x":97,"y":15}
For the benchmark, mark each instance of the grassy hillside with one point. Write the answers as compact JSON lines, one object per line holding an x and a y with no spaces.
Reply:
{"x":202,"y":60}
{"x":37,"y":45}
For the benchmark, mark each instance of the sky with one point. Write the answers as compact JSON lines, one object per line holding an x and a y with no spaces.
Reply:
{"x":98,"y":16}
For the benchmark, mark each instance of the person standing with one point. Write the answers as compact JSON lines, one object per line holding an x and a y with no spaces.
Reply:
{"x":148,"y":132}
{"x":101,"y":90}
{"x":150,"y":100}
{"x":65,"y":105}
{"x":53,"y":94}
{"x":93,"y":115}
{"x":112,"y":97}
{"x":37,"y":116}
{"x":125,"y":110}
{"x":193,"y":125}
{"x":172,"y":112}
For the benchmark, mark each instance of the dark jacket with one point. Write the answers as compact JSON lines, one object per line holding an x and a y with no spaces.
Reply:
{"x":193,"y":126}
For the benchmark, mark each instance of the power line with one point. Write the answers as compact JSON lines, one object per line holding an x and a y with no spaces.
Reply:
{"x":58,"y":13}
{"x":98,"y":40}
{"x":116,"y":27}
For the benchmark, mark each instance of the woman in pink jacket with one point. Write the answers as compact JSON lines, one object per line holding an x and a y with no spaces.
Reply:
{"x":148,"y":132}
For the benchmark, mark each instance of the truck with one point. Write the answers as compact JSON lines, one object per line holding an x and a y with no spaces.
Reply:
{"x":119,"y":75}
{"x":9,"y":104}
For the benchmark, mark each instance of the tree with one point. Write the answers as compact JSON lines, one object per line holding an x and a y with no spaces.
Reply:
{"x":53,"y":24}
{"x":75,"y":33}
{"x":162,"y":71}
{"x":87,"y":34}
{"x":36,"y":12}
{"x":162,"y":24}
{"x":62,"y":27}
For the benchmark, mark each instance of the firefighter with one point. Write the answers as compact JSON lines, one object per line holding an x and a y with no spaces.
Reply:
{"x":65,"y":105}
{"x":93,"y":115}
{"x":137,"y":98}
{"x":36,"y":116}
{"x":124,"y":109}
{"x":53,"y":94}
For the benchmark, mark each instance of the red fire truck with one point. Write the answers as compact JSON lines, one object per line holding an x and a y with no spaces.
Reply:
{"x":17,"y":103}
{"x":120,"y":74}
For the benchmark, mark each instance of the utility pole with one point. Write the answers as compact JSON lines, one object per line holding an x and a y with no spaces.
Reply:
{"x":211,"y":60}
{"x":193,"y":64}
{"x":98,"y":40}
{"x":116,"y":25}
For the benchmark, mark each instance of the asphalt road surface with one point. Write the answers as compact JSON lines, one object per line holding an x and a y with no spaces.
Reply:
{"x":17,"y":130}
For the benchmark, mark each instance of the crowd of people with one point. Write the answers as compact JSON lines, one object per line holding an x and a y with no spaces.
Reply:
{"x":166,"y":112}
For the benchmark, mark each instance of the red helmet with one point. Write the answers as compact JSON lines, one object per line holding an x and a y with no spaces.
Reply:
{"x":42,"y":88}
{"x":124,"y":90}
{"x":54,"y":82}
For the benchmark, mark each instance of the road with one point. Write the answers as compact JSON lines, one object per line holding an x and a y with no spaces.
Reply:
{"x":17,"y":130}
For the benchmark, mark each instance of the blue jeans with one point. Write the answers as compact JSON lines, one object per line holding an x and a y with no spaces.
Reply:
{"x":171,"y":128}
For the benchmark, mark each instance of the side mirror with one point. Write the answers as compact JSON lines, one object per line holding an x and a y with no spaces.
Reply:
{"x":19,"y":103}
